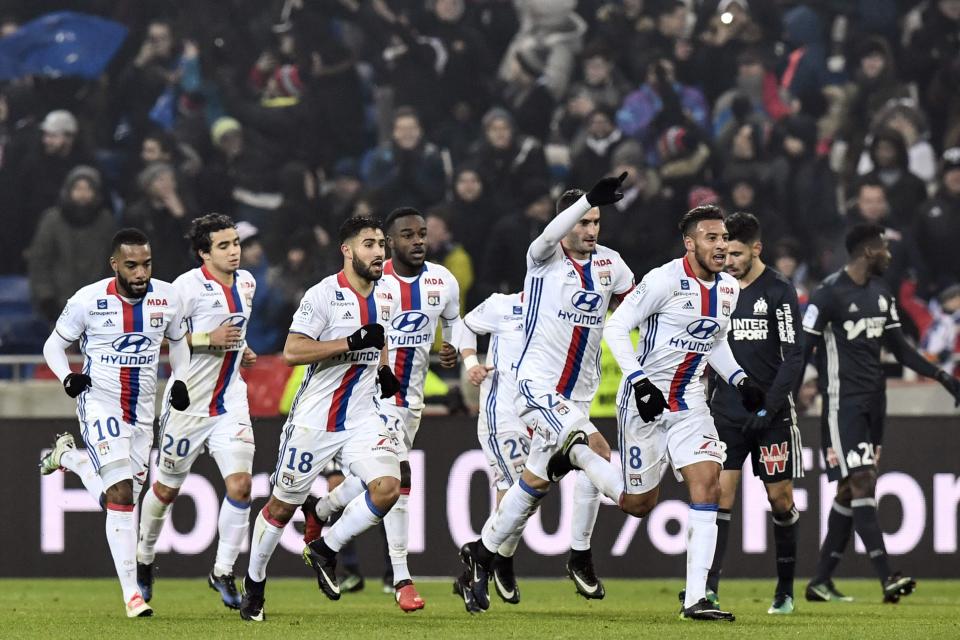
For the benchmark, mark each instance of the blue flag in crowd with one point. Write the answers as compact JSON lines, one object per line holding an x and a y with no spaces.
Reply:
{"x":60,"y":44}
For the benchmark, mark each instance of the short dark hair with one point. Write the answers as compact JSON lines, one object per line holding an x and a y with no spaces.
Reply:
{"x":405,"y":112}
{"x":352,"y":226}
{"x":870,"y":181}
{"x":399,"y":212}
{"x":743,"y":227}
{"x":860,"y":235}
{"x":202,"y":227}
{"x":691,"y":218}
{"x":128,"y":236}
{"x":568,"y":198}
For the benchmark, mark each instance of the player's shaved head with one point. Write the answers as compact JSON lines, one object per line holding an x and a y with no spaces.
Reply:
{"x":862,"y":236}
{"x":128,"y":236}
{"x":132,"y":262}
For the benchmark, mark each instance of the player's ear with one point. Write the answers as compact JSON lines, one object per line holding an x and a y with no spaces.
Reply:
{"x":757,"y":248}
{"x":113,"y":263}
{"x":688,"y":243}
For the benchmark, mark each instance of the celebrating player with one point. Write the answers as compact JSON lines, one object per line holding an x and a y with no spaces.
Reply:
{"x":504,"y":439}
{"x":569,"y":284}
{"x":764,"y":337}
{"x":217,"y":297}
{"x":851,"y":314}
{"x":336,"y":330}
{"x":428,"y":294}
{"x":684,"y":308}
{"x":120,"y":323}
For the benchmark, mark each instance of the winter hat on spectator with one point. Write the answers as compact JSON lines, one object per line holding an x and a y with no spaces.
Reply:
{"x":498,"y":113}
{"x":951,"y":159}
{"x":629,"y":153}
{"x":346,"y":168}
{"x":59,"y":121}
{"x":152,"y":171}
{"x":287,"y":79}
{"x":80,"y":172}
{"x":222,"y":126}
{"x":246,"y":231}
{"x":677,"y":142}
{"x":702,"y":195}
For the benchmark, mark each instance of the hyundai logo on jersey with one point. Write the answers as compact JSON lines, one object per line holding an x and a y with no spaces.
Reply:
{"x":588,"y":301}
{"x":703,"y":329}
{"x":132,"y":343}
{"x":411,"y":322}
{"x":233,"y":321}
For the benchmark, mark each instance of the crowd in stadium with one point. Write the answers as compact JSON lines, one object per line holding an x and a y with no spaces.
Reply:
{"x":291,"y":116}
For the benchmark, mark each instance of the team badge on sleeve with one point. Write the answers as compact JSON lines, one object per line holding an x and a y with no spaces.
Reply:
{"x":433,"y":298}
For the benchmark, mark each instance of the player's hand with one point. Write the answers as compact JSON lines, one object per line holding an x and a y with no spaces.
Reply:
{"x":75,"y":383}
{"x":650,"y":402}
{"x":249,"y":357}
{"x":476,"y":375}
{"x":389,"y":385}
{"x":951,"y":384}
{"x":757,"y":422}
{"x":369,"y":335}
{"x":606,"y":191}
{"x":448,"y":356}
{"x":225,"y":336}
{"x":751,"y":395}
{"x":179,"y":398}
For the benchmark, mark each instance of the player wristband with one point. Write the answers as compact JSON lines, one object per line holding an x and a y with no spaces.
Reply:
{"x":201,"y":339}
{"x":470,"y":362}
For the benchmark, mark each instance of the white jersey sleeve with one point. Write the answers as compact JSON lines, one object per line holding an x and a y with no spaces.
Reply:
{"x":72,"y":321}
{"x":642,"y":303}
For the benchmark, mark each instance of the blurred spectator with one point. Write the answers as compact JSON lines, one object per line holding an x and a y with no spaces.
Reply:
{"x":271,"y":315}
{"x":941,"y":342}
{"x":743,"y":192}
{"x":684,"y":163}
{"x":442,"y":248}
{"x":164,"y":215}
{"x":665,"y":38}
{"x":932,"y":38}
{"x":471,"y":209}
{"x":593,"y":153}
{"x":871,"y":206}
{"x":161,"y":146}
{"x":341,"y":193}
{"x":937,"y":230}
{"x":407,"y":171}
{"x":904,"y":117}
{"x":510,"y":164}
{"x":806,"y":72}
{"x":905,"y":191}
{"x":600,"y":88}
{"x":754,"y":98}
{"x":745,"y":153}
{"x":526,"y":95}
{"x":143,"y":82}
{"x":67,"y":250}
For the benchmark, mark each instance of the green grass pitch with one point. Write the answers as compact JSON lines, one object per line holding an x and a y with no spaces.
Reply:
{"x":187,"y":608}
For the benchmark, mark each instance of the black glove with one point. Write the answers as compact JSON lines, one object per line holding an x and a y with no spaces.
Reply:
{"x":650,"y":402}
{"x":179,"y":398}
{"x":369,"y":335}
{"x":607,"y":191}
{"x":389,"y":385}
{"x":951,"y":384}
{"x":757,"y":422}
{"x":75,"y":383}
{"x":751,"y":395}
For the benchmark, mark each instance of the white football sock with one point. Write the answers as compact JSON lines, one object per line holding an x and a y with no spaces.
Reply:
{"x":509,"y":546}
{"x":360,"y":515}
{"x":701,"y":545}
{"x":232,"y":527}
{"x":586,"y":504}
{"x":79,"y":462}
{"x":122,"y":537}
{"x":336,"y":500}
{"x":395,"y":523}
{"x":266,"y":535}
{"x":604,"y":475}
{"x":516,"y":507}
{"x":153,"y":513}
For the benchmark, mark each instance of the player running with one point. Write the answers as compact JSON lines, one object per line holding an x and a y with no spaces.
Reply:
{"x":569,"y":284}
{"x":120,"y":323}
{"x":504,"y":439}
{"x":764,"y":336}
{"x":217,"y":298}
{"x":850,"y":316}
{"x":684,"y":308}
{"x":338,"y":331}
{"x":428,"y":294}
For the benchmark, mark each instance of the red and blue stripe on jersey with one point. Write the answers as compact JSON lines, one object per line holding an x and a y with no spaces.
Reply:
{"x":129,"y":376}
{"x":691,"y":362}
{"x":580,"y":337}
{"x":403,"y":361}
{"x":337,"y":415}
{"x":229,"y":366}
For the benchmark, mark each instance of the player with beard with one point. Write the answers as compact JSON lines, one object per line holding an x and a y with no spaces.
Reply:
{"x":217,"y":297}
{"x":120,"y":323}
{"x":338,"y":330}
{"x":429,"y":294}
{"x":765,"y":339}
{"x":850,"y":316}
{"x":684,"y":308}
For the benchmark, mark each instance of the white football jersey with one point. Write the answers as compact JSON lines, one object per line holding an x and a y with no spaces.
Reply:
{"x":341,"y":392}
{"x":565,"y":305}
{"x":431,"y":297}
{"x":120,"y":341}
{"x":682,"y":320}
{"x":214,"y":381}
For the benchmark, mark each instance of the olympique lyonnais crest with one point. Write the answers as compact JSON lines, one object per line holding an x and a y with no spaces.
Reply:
{"x":725,"y":308}
{"x":433,"y":298}
{"x":385,"y":314}
{"x":605,"y":278}
{"x":156,"y":320}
